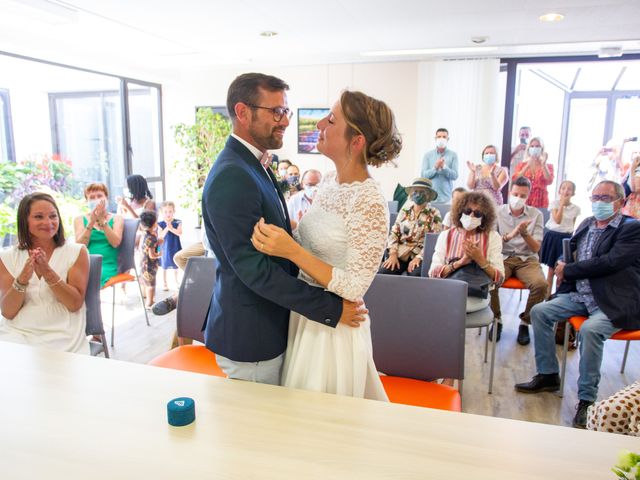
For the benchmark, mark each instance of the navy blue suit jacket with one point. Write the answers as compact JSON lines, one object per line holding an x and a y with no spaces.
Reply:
{"x":249,"y":313}
{"x":613,"y":271}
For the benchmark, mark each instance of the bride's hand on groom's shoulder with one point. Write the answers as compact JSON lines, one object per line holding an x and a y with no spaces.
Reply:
{"x":272,"y":240}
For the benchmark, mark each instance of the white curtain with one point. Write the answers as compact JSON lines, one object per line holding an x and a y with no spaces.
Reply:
{"x":463,"y":96}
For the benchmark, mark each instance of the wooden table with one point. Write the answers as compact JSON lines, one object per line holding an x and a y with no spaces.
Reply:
{"x":65,"y":416}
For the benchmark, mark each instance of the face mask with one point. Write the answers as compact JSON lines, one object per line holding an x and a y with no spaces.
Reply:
{"x":418,"y":198}
{"x":282,"y":173}
{"x":516,"y":203}
{"x":535,"y":151}
{"x":92,"y":204}
{"x":523,"y":140}
{"x":126,"y":193}
{"x":293,"y":179}
{"x":441,"y":142}
{"x":489,"y":158}
{"x":602,"y":210}
{"x":469,"y":222}
{"x":310,"y":191}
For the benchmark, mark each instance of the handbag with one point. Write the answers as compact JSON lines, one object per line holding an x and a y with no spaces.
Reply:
{"x":477,"y":281}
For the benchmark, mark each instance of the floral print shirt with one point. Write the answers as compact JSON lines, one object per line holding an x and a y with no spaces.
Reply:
{"x":407,"y":234}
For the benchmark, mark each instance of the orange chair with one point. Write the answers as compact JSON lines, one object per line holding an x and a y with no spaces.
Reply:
{"x":421,"y":394}
{"x":513,"y":283}
{"x":418,"y":337}
{"x":193,"y":302}
{"x":576,"y":322}
{"x":126,"y":263}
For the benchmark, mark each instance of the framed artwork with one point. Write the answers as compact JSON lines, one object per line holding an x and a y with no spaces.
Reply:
{"x":307,"y":131}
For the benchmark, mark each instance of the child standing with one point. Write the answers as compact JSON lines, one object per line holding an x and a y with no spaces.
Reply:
{"x":559,"y":226}
{"x":170,"y":231}
{"x":150,"y":255}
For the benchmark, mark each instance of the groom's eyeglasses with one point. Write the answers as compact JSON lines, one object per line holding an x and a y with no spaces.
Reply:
{"x":278,"y":112}
{"x":476,"y":213}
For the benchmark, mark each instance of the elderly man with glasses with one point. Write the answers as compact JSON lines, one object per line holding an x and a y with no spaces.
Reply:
{"x":603,"y":283}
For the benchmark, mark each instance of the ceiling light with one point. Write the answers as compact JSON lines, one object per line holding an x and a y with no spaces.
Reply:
{"x":479,"y":39}
{"x":551,"y":17}
{"x":429,"y":51}
{"x":268,"y":33}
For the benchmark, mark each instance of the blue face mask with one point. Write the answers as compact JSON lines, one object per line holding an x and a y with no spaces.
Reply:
{"x":489,"y":158}
{"x":293,"y":179}
{"x":602,"y":210}
{"x":418,"y":198}
{"x":535,"y":151}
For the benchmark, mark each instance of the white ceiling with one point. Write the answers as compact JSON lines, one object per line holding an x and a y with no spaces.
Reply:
{"x":163,"y":35}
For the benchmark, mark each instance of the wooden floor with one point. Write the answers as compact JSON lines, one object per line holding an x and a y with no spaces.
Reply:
{"x":135,"y":342}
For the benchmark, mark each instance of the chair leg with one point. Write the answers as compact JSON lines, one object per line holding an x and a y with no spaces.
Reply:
{"x":520,"y":300}
{"x":624,"y":358}
{"x":113,"y":313}
{"x":105,"y":348}
{"x":493,"y":354}
{"x":565,"y":349}
{"x":146,"y":316}
{"x":486,"y":343}
{"x":460,"y":387}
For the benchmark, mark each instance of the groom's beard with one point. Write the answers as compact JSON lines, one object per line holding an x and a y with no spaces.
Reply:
{"x":266,"y":136}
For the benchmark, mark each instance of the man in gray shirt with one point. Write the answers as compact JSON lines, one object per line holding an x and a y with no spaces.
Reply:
{"x":521,"y":229}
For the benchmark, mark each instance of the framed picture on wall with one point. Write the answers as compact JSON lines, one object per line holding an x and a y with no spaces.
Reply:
{"x":307,"y":131}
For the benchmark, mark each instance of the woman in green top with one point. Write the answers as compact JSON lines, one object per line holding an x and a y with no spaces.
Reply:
{"x":99,"y":230}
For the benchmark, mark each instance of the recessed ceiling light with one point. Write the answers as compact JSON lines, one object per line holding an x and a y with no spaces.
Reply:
{"x":551,"y":17}
{"x":429,"y":51}
{"x":268,"y":33}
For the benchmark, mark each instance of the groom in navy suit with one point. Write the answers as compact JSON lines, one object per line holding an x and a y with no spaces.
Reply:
{"x":248,"y":318}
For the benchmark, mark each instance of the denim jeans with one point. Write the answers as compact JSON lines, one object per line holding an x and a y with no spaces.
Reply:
{"x":593,"y":333}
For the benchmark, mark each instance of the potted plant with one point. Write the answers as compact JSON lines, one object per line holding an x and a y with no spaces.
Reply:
{"x":201,"y":144}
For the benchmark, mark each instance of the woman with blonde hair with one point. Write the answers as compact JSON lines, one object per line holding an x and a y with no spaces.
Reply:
{"x":538,"y":171}
{"x":341,"y":241}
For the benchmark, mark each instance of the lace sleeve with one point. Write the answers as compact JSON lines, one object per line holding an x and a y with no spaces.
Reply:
{"x":367,"y":231}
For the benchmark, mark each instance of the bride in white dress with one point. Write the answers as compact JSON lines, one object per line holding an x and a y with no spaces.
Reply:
{"x":340,"y":242}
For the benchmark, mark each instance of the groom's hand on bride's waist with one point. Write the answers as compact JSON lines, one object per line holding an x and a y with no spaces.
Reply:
{"x":353,"y":313}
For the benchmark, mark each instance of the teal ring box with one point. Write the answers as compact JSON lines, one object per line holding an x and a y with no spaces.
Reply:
{"x":181,"y":411}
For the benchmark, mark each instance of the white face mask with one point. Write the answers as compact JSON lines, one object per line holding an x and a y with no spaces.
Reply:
{"x":441,"y":142}
{"x":470,"y":222}
{"x":310,"y":191}
{"x":535,"y":151}
{"x":92,"y":204}
{"x":516,"y":203}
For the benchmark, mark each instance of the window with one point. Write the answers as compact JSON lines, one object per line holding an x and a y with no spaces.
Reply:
{"x":7,"y":153}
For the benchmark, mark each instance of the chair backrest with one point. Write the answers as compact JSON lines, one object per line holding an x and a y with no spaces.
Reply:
{"x":126,"y":258}
{"x":546,"y":213}
{"x":393,"y":206}
{"x":418,"y":326}
{"x":430,"y":240}
{"x":392,"y":219}
{"x":92,"y":297}
{"x":194,"y":296}
{"x":443,"y":208}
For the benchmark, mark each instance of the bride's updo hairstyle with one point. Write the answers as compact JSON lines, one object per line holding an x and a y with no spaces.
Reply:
{"x":374,"y":120}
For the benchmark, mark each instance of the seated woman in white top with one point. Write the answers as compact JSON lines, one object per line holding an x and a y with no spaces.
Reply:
{"x":559,"y":226}
{"x":471,"y":238}
{"x":43,"y":281}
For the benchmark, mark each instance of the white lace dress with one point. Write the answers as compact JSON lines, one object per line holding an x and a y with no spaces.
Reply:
{"x":346,"y":227}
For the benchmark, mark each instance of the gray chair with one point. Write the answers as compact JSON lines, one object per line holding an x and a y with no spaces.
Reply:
{"x":194,"y":297}
{"x":94,"y":327}
{"x":430,"y":240}
{"x":485,"y":318}
{"x":418,"y":326}
{"x":442,"y":207}
{"x":392,"y":219}
{"x":546,"y":213}
{"x":393,"y":206}
{"x":126,"y":263}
